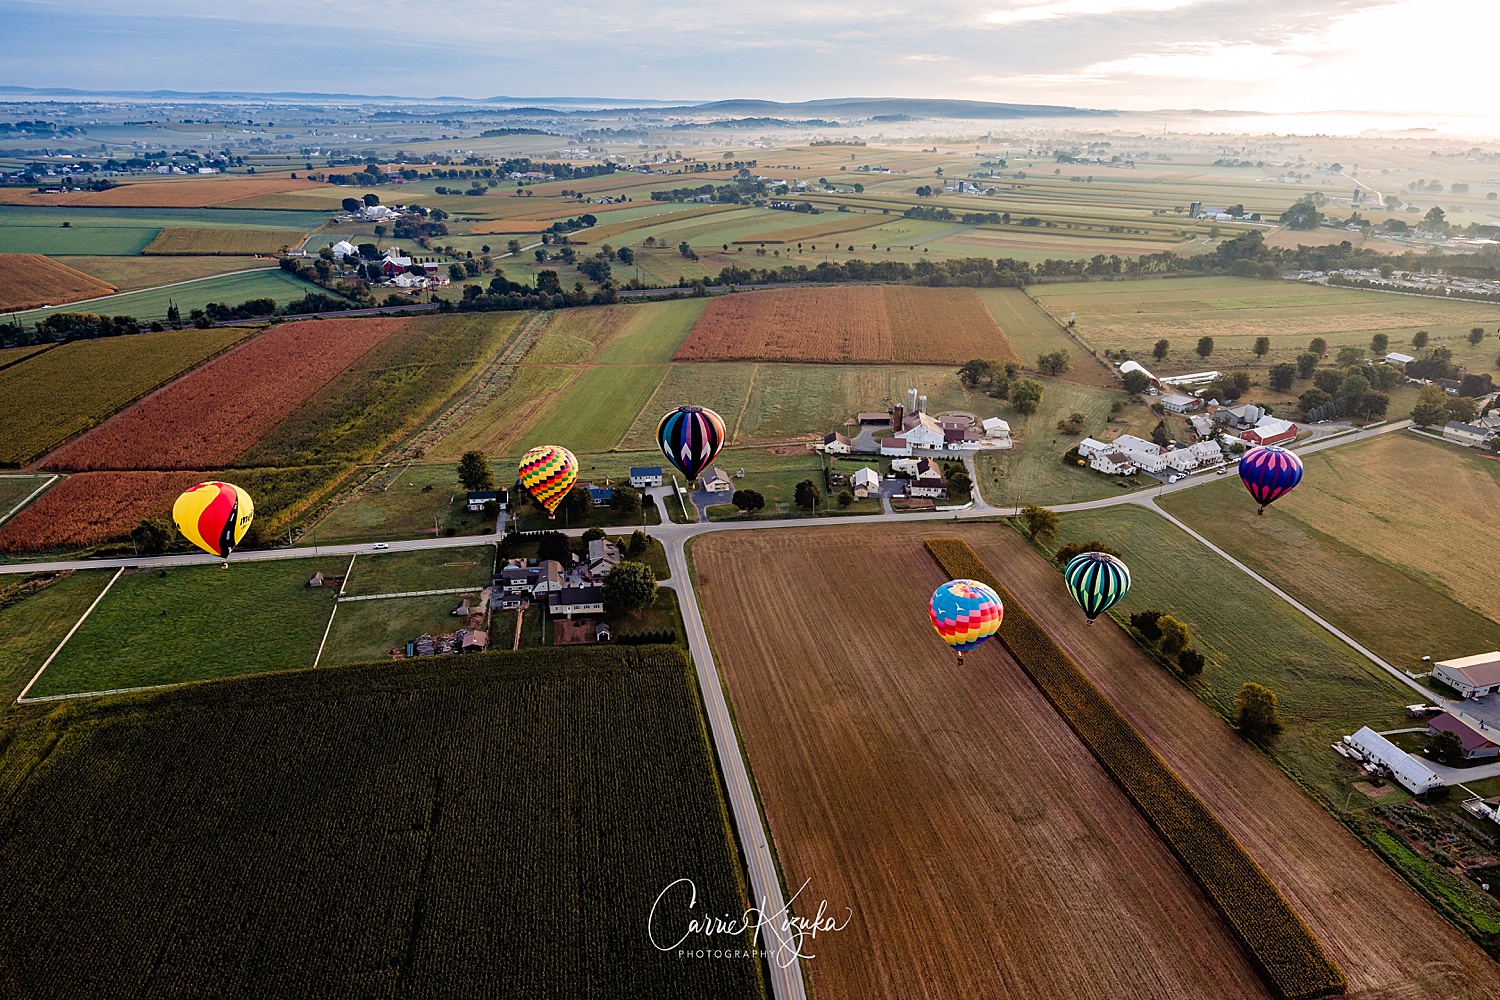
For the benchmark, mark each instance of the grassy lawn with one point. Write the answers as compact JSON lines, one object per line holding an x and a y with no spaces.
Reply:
{"x":652,"y":333}
{"x":404,"y":508}
{"x":1374,"y":540}
{"x":1325,"y":689}
{"x":197,"y":623}
{"x":366,"y":630}
{"x":31,"y":628}
{"x":15,"y":488}
{"x":265,"y":283}
{"x":433,"y":569}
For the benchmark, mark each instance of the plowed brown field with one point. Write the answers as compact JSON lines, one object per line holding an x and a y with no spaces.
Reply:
{"x":193,"y":193}
{"x":92,"y":508}
{"x":982,"y":849}
{"x":850,"y":324}
{"x":28,"y":280}
{"x":214,"y":415}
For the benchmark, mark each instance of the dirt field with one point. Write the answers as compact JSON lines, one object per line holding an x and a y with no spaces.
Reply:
{"x":1348,"y":897}
{"x":28,"y":280}
{"x":191,"y":241}
{"x":953,"y":811}
{"x":193,"y":193}
{"x":847,"y":325}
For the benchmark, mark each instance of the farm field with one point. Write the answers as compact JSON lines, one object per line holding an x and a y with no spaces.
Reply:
{"x":840,"y":223}
{"x":125,"y":231}
{"x":1032,"y":333}
{"x":1345,"y":893}
{"x":11,"y":356}
{"x":195,"y":623}
{"x":76,"y":385}
{"x":847,"y":324}
{"x":435,"y":810}
{"x":28,"y":280}
{"x":35,"y":613}
{"x":194,"y":193}
{"x":438,"y":569}
{"x":404,"y":508}
{"x":131,"y":274}
{"x":16,"y":488}
{"x":230,"y":403}
{"x":1133,"y":315}
{"x":613,"y":225}
{"x":191,"y":241}
{"x":232,"y":289}
{"x":368,"y":630}
{"x":965,"y":770}
{"x":596,"y":409}
{"x":1376,"y":538}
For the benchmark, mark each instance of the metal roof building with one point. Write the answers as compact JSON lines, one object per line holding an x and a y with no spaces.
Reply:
{"x":1413,"y":775}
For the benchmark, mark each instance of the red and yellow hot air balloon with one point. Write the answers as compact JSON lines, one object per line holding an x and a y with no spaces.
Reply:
{"x":214,"y":516}
{"x":548,"y":472}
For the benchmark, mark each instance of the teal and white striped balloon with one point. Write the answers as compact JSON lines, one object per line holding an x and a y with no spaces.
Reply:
{"x":1097,"y":581}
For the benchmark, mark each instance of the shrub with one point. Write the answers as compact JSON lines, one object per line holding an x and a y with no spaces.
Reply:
{"x":1145,"y":622}
{"x":1190,"y":661}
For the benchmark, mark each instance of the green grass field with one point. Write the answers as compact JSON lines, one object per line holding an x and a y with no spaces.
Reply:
{"x":16,"y":488}
{"x":1033,"y":333}
{"x":1133,"y":315}
{"x":1374,"y":540}
{"x":197,"y":623}
{"x":132,"y":273}
{"x":596,"y":410}
{"x":152,"y":303}
{"x":368,"y":630}
{"x":31,"y":628}
{"x":491,"y":427}
{"x":403,"y":507}
{"x":125,"y":231}
{"x":71,"y":388}
{"x":434,"y":569}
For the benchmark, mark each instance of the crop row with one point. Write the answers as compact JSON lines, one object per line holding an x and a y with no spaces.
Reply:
{"x":1283,"y":947}
{"x":492,"y":825}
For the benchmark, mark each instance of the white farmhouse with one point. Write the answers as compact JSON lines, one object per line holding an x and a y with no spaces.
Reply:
{"x":866,"y":483}
{"x":343,"y":248}
{"x":836,"y":444}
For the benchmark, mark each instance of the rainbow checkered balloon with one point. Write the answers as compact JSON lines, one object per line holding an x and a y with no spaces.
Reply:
{"x":965,"y":613}
{"x":548,"y":472}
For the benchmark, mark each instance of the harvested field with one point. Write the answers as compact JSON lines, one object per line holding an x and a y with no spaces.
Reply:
{"x":194,"y":241}
{"x":609,"y":230}
{"x":194,"y":193}
{"x":28,"y":280}
{"x":1348,"y":897}
{"x":1033,"y":333}
{"x":503,"y":226}
{"x":219,"y":412}
{"x":847,"y":324}
{"x":134,"y":273}
{"x":93,"y":508}
{"x":952,"y":810}
{"x":843,"y":222}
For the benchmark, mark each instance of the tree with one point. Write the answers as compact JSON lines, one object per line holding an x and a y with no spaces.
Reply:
{"x":976,"y":373}
{"x":1262,"y":346}
{"x":474,"y":472}
{"x":1476,"y":336}
{"x":1307,"y":363}
{"x":351,"y":204}
{"x":630,"y":586}
{"x":1040,"y":522}
{"x":1463,"y":410}
{"x":152,"y":536}
{"x":748,"y":500}
{"x":1319,"y":346}
{"x":1380,"y":343}
{"x":372,"y":199}
{"x":1348,"y":355}
{"x":513,"y":246}
{"x":1302,"y":215}
{"x":1190,"y":662}
{"x":1066,"y":553}
{"x":1435,"y":219}
{"x":1055,"y":363}
{"x":1282,"y":377}
{"x":1447,"y":748}
{"x":1258,"y":718}
{"x":1160,"y":349}
{"x":1025,"y":395}
{"x":1205,"y":346}
{"x":846,"y":498}
{"x":1145,"y":622}
{"x":1353,"y":390}
{"x":1175,"y":636}
{"x":1432,"y":407}
{"x":1419,"y":339}
{"x":959,"y":482}
{"x":625,"y":500}
{"x":1328,"y":380}
{"x":1136,"y":382}
{"x":554,"y":545}
{"x":807,"y":494}
{"x":638,"y":545}
{"x":1312,"y":399}
{"x":593,"y":534}
{"x":577,"y":503}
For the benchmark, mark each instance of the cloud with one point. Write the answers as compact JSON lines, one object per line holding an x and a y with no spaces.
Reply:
{"x":927,"y":57}
{"x":1048,"y":10}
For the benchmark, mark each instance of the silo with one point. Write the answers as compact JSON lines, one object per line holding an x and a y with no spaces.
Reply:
{"x":922,"y":404}
{"x":911,"y":400}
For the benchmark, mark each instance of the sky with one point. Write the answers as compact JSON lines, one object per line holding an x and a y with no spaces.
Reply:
{"x":1285,"y":56}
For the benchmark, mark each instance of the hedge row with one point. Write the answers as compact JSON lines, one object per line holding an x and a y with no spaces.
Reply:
{"x":1283,"y":948}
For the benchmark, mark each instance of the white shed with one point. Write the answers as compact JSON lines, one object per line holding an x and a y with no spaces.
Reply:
{"x":1413,"y":775}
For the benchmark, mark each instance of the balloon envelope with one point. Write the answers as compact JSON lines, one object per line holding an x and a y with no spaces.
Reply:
{"x":1097,"y":581}
{"x":548,"y":472}
{"x":1269,"y":473}
{"x":965,"y":613}
{"x":690,"y":437}
{"x":214,"y":516}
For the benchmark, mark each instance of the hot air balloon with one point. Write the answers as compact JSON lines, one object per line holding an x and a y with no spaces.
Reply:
{"x":1269,"y":473}
{"x":548,"y":472}
{"x":1097,"y":581}
{"x":690,"y":437}
{"x":214,"y":516}
{"x":965,"y":613}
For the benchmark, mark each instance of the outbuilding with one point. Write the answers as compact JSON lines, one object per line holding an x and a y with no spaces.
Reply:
{"x":1379,"y":752}
{"x":1471,"y":676}
{"x":1475,"y":736}
{"x":643,"y":476}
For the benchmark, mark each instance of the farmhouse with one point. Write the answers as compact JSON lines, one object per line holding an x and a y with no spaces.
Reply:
{"x":343,"y":248}
{"x":928,"y":481}
{"x":1202,"y":426}
{"x":549,"y":577}
{"x":642,"y":476}
{"x":1178,"y":403}
{"x":895,"y":446}
{"x":906,"y":465}
{"x":836,"y":444}
{"x":604,"y":555}
{"x":866,"y":483}
{"x":716,"y":481}
{"x":1475,"y":737}
{"x":1413,"y":775}
{"x":1471,"y":676}
{"x":478,"y":498}
{"x":518,"y":578}
{"x":599,"y":495}
{"x":572,"y":601}
{"x":1468,"y":435}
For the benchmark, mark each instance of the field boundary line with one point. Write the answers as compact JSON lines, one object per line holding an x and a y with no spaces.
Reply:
{"x":412,"y":593}
{"x":100,"y":694}
{"x":329,"y":627}
{"x":30,"y":497}
{"x":21,"y":698}
{"x":1150,"y":504}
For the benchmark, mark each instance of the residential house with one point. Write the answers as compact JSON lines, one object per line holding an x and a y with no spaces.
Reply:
{"x":478,"y":498}
{"x":895,"y":446}
{"x":1471,"y":676}
{"x":1474,"y":735}
{"x":517,"y":577}
{"x":343,"y":248}
{"x":906,"y":465}
{"x":1112,"y":463}
{"x":1270,"y":430}
{"x":1179,"y":403}
{"x":1468,"y":435}
{"x":836,"y":444}
{"x":1202,"y":426}
{"x":1089,"y":447}
{"x":717,"y":482}
{"x":411,"y":282}
{"x":1207,"y":452}
{"x":929,"y":481}
{"x":996,"y":428}
{"x":604,"y":555}
{"x":549,"y":578}
{"x":1143,"y":454}
{"x":643,"y":476}
{"x":599,"y":495}
{"x":866,"y":483}
{"x":570,"y":601}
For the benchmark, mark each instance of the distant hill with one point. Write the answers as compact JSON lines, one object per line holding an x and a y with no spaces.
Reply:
{"x":870,"y":107}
